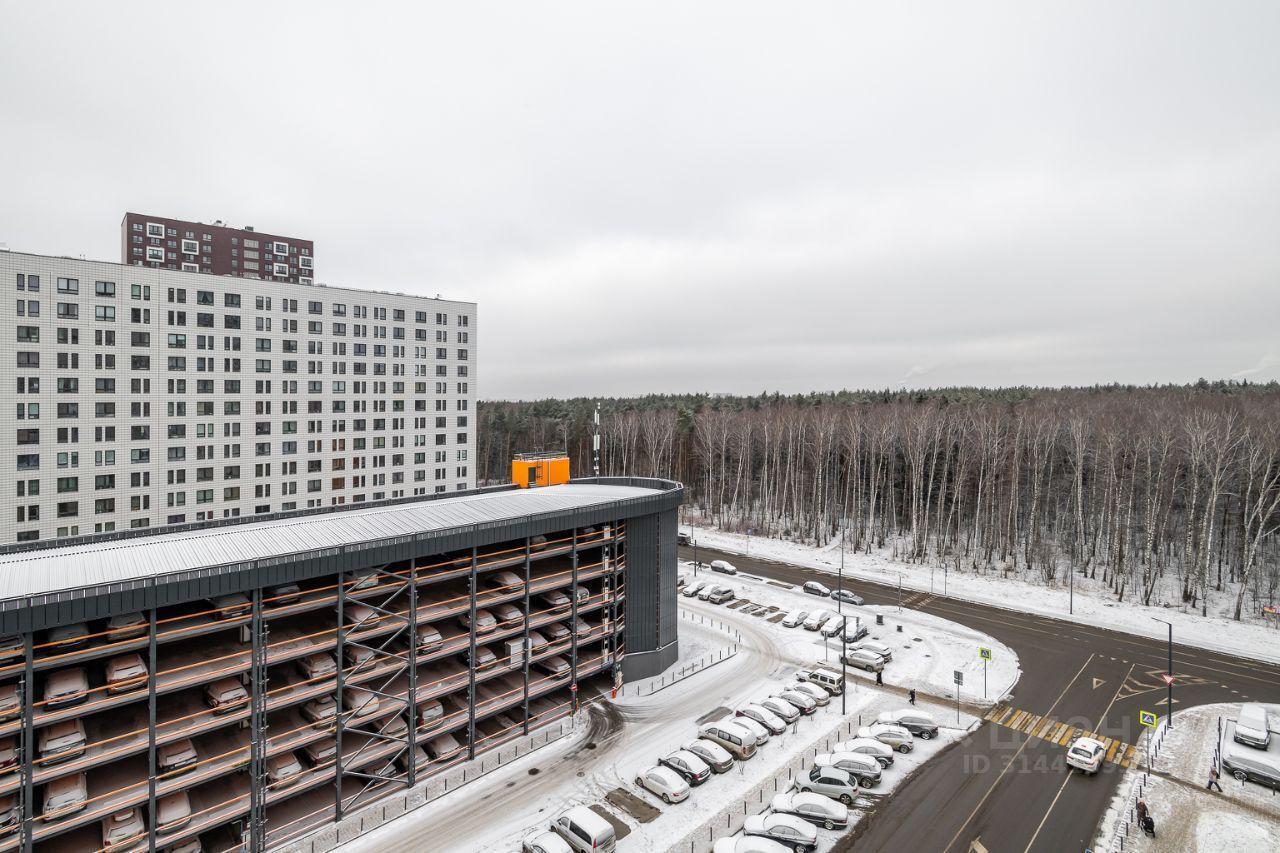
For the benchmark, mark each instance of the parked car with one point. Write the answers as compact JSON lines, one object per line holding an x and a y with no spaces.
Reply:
{"x":556,"y":632}
{"x":10,"y":814}
{"x":887,"y":733}
{"x":713,"y":754}
{"x":8,"y":753}
{"x":864,"y":659}
{"x":231,"y":606}
{"x":794,"y":618}
{"x":66,"y":687}
{"x":358,"y":657}
{"x":790,"y":831}
{"x":359,"y":703}
{"x":716,"y":594}
{"x":692,"y":589}
{"x":780,"y":708}
{"x":855,"y":630}
{"x":485,"y":622}
{"x":545,"y":842}
{"x":420,"y":759}
{"x":835,"y":626}
{"x":318,"y":666}
{"x":173,"y":812}
{"x":664,"y":783}
{"x":485,"y":658}
{"x":1086,"y":754}
{"x":126,"y":626}
{"x":813,"y":691}
{"x":283,"y":769}
{"x":321,"y":711}
{"x":554,"y":666}
{"x":815,"y":588}
{"x":508,"y":615}
{"x":817,"y":619}
{"x":65,"y":796}
{"x":282,"y":595}
{"x":126,"y":672}
{"x":881,"y":752}
{"x":538,"y":543}
{"x":829,"y":782}
{"x":66,"y":638}
{"x":10,"y":706}
{"x":554,"y":601}
{"x":693,"y":769}
{"x":122,"y":828}
{"x":1252,"y":765}
{"x":176,"y":757}
{"x":736,"y":739}
{"x":225,"y":695}
{"x":828,"y":679}
{"x":429,"y":638}
{"x":359,"y":579}
{"x":815,"y":808}
{"x":758,"y":729}
{"x":1252,"y":727}
{"x":847,"y":597}
{"x":919,"y":723}
{"x":864,"y":768}
{"x":537,"y":642}
{"x":585,"y":831}
{"x":884,"y":650}
{"x":61,"y":742}
{"x":430,"y":712}
{"x":724,"y":567}
{"x":360,"y":616}
{"x":684,"y":539}
{"x":443,"y":747}
{"x":775,"y":723}
{"x":747,"y":844}
{"x":192,"y":846}
{"x":803,"y":701}
{"x":503,"y":582}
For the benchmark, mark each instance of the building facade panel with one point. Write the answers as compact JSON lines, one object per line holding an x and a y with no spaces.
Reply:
{"x":161,"y":242}
{"x":144,"y":397}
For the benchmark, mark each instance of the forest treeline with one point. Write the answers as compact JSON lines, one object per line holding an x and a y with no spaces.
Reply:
{"x":1129,"y":486}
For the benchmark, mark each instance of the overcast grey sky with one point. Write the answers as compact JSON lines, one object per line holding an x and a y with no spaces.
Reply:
{"x":729,"y":197}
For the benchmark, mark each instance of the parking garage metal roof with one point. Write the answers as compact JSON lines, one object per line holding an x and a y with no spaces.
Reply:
{"x":27,"y":573}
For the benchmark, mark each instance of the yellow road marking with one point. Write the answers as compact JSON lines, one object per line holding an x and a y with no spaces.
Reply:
{"x":1059,"y":733}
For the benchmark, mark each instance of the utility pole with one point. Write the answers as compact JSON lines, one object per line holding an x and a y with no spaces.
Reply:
{"x":899,"y":592}
{"x":840,"y":578}
{"x":1169,"y":674}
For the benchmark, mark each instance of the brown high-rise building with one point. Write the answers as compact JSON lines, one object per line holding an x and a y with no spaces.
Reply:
{"x":216,"y":248}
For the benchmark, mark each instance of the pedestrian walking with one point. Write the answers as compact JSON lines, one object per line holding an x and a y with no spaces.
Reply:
{"x":1142,"y":812}
{"x":879,"y":677}
{"x":1213,"y":780}
{"x":911,"y":697}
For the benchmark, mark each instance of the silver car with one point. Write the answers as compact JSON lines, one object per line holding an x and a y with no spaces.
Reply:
{"x":829,"y":782}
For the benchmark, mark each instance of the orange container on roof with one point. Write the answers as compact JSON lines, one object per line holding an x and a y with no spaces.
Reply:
{"x":530,"y":470}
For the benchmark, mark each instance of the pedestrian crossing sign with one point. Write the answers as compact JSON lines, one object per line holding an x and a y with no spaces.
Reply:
{"x":1147,"y":718}
{"x":985,"y":654}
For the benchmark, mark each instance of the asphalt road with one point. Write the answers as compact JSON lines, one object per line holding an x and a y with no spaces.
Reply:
{"x":1004,"y":789}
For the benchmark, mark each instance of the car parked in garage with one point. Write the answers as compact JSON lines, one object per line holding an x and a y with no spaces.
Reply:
{"x":225,"y":695}
{"x":126,"y":626}
{"x":61,"y":741}
{"x":64,"y":796}
{"x":122,"y":829}
{"x":176,"y":757}
{"x":126,"y":672}
{"x":66,"y":687}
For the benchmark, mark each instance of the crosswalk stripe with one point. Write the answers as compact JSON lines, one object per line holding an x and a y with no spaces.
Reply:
{"x":1016,"y":721}
{"x":1111,"y":752}
{"x":1004,"y":718}
{"x":1051,"y":730}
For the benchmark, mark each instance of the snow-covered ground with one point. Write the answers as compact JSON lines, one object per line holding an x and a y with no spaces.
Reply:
{"x":926,"y":652}
{"x":497,"y":812}
{"x":1245,"y":817}
{"x":1092,"y":606}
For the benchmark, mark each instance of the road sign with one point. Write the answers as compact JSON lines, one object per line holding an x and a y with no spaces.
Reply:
{"x":1148,"y":719}
{"x":1168,"y":679}
{"x":985,"y":654}
{"x":959,"y":677}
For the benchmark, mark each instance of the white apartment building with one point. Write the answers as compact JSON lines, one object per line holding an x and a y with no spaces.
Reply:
{"x":136,"y":397}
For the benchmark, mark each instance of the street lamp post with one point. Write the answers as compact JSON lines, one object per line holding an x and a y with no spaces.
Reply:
{"x":1169,"y":674}
{"x":695,"y":558}
{"x":844,"y":629}
{"x":840,"y":576}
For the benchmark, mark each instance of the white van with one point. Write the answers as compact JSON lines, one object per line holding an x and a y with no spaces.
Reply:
{"x":585,"y":831}
{"x":1251,"y":726}
{"x":740,"y":742}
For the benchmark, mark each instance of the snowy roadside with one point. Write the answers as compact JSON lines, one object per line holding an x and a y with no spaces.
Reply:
{"x":1245,"y":816}
{"x":928,"y":649}
{"x":1247,"y":638}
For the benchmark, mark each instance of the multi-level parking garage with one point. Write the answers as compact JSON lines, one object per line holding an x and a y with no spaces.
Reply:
{"x":235,"y":686}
